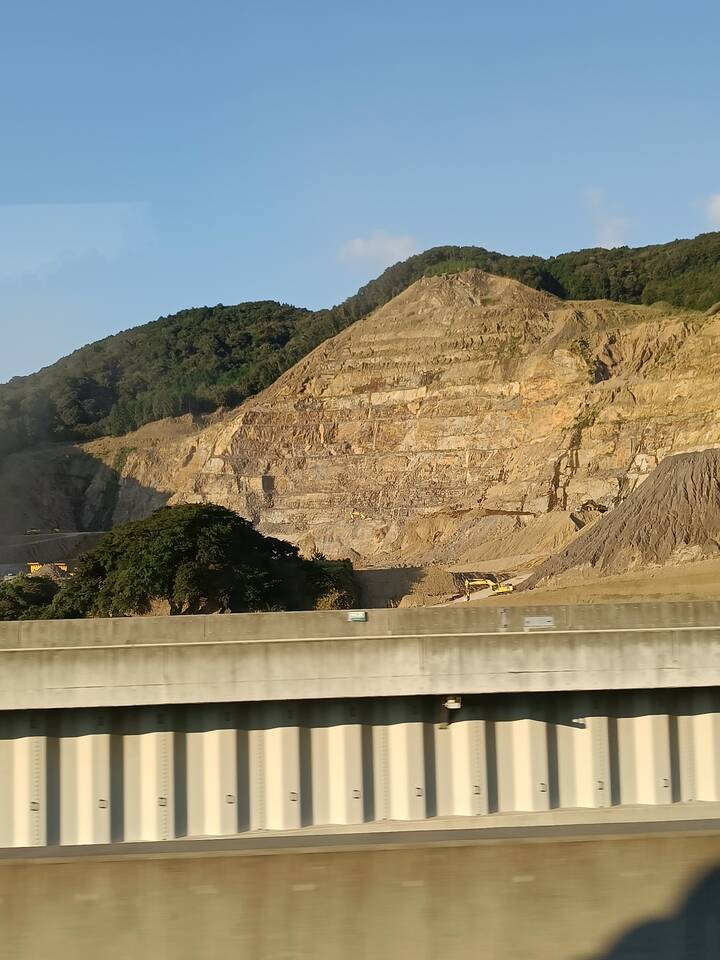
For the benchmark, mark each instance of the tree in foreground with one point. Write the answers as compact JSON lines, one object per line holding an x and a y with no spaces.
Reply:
{"x":197,"y":558}
{"x":26,"y":598}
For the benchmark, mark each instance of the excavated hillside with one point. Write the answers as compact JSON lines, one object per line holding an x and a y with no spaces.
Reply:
{"x":469,"y":420}
{"x":672,"y":518}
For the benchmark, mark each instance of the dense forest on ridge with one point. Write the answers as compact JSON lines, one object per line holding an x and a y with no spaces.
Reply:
{"x":208,"y":357}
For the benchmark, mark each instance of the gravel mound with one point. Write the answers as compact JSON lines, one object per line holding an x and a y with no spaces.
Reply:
{"x":672,"y":517}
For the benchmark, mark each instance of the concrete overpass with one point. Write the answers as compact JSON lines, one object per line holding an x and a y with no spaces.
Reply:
{"x":142,"y":730}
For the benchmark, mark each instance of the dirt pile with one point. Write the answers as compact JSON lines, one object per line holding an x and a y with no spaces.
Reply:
{"x":434,"y":586}
{"x":673,"y":517}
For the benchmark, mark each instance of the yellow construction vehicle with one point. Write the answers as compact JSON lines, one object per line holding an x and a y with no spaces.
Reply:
{"x":491,"y":582}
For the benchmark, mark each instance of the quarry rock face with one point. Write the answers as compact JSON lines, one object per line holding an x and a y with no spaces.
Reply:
{"x":469,"y":419}
{"x":673,"y":517}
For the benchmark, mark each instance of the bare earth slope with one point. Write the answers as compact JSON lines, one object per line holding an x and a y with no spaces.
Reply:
{"x":673,"y":517}
{"x":470,"y":419}
{"x":447,"y":424}
{"x":695,"y":581}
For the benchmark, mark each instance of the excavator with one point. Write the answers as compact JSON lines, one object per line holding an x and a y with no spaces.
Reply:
{"x":491,"y":581}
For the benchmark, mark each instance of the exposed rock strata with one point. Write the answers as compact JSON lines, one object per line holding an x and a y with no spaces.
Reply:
{"x":470,"y":418}
{"x":448,"y":421}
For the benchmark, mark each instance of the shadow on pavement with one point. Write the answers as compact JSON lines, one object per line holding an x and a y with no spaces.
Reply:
{"x":692,"y":933}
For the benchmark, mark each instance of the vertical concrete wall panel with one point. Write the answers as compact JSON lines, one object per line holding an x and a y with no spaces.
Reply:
{"x":522,"y":765}
{"x":84,"y":775}
{"x":211,"y":780}
{"x":346,"y":773}
{"x":195,"y":786}
{"x":256,"y":777}
{"x":582,"y":754}
{"x":7,"y":785}
{"x":337,"y":765}
{"x":380,"y":737}
{"x":148,"y":777}
{"x":460,"y":768}
{"x":27,"y":777}
{"x":706,"y":744}
{"x":699,"y":746}
{"x":281,"y":768}
{"x":406,"y":762}
{"x":321,"y":773}
{"x":644,"y":748}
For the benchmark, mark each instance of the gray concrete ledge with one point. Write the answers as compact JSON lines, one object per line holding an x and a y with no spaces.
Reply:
{"x":550,"y":826}
{"x":299,"y":656}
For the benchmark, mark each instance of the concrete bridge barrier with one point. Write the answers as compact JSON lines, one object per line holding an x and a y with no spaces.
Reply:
{"x":152,"y":729}
{"x":156,"y":773}
{"x":307,"y":656}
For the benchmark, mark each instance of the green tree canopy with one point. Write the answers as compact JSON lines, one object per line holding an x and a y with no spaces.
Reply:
{"x":196,"y":558}
{"x":26,"y":598}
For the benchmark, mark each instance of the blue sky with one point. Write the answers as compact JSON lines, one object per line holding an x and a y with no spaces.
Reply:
{"x":158,"y":155}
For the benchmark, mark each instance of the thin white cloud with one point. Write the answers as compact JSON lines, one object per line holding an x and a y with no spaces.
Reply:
{"x":39,"y":238}
{"x":712,"y":209}
{"x":611,"y":231}
{"x":610,"y":228}
{"x":380,"y":248}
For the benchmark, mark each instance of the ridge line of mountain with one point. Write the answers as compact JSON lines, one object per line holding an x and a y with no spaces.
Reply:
{"x":206,"y":358}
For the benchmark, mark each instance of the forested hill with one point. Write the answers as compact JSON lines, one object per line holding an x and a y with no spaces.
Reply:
{"x":192,"y":362}
{"x":203,"y":358}
{"x":685,"y":273}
